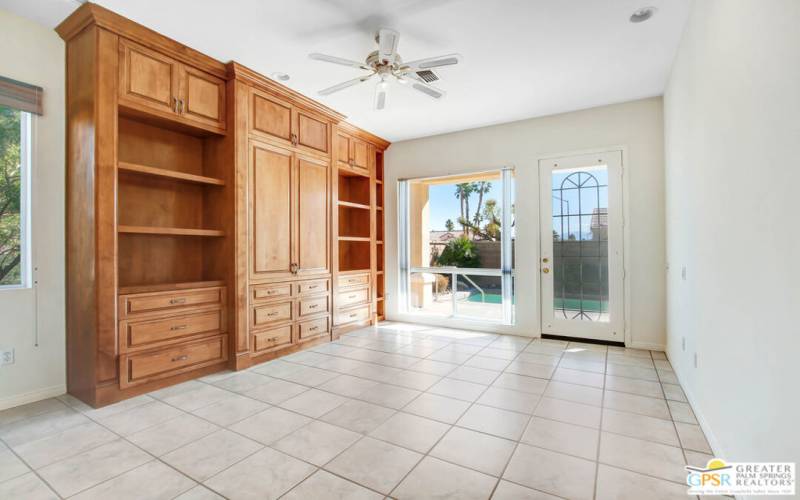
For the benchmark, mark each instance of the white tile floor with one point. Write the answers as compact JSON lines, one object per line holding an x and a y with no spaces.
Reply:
{"x":400,"y":411}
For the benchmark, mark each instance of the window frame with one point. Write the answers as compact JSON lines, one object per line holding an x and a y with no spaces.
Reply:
{"x":506,"y":271}
{"x":26,"y":121}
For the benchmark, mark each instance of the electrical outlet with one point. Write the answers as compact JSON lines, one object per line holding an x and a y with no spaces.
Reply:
{"x":695,"y":360}
{"x":683,"y":344}
{"x":6,"y":357}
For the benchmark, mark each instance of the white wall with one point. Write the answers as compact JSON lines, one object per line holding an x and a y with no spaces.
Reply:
{"x":732,"y":125}
{"x":637,"y":126}
{"x":34,"y":54}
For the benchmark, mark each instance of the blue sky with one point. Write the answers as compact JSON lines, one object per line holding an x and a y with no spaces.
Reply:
{"x":444,"y":204}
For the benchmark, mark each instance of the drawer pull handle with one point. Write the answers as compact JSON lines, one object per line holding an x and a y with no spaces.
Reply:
{"x":180,"y":358}
{"x":178,"y":327}
{"x":271,"y":292}
{"x":177,"y":301}
{"x":353,"y":315}
{"x":313,"y":329}
{"x":273,"y":313}
{"x":272,"y":339}
{"x":313,"y":306}
{"x":312,"y":287}
{"x":351,"y":296}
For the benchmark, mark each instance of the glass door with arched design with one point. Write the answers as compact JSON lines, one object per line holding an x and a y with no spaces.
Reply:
{"x":581,"y":265}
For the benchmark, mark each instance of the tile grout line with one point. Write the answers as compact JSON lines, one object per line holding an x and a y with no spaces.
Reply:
{"x":474,"y":402}
{"x":30,"y":469}
{"x":516,"y":445}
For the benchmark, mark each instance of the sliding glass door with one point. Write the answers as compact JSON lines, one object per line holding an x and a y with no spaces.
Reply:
{"x":456,"y":246}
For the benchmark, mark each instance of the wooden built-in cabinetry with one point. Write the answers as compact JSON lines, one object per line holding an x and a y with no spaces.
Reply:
{"x":359,"y":224}
{"x":215,"y":218}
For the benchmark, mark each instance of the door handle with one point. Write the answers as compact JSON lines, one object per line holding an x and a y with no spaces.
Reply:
{"x":293,"y":268}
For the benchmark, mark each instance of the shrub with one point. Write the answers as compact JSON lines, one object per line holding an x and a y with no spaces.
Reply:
{"x":460,"y":252}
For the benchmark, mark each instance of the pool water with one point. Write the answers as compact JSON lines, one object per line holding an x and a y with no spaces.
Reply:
{"x":570,"y":304}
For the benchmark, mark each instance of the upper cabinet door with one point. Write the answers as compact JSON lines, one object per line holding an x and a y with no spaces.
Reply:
{"x":147,"y":78}
{"x":202,"y":97}
{"x":343,"y":148}
{"x":271,"y":118}
{"x":359,"y":153}
{"x":313,"y":217}
{"x":272,"y":214}
{"x":313,"y":133}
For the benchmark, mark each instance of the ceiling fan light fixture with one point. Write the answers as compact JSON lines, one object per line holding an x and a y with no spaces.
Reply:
{"x":643,"y":14}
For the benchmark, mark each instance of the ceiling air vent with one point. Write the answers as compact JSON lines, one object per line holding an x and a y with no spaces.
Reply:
{"x":427,"y":76}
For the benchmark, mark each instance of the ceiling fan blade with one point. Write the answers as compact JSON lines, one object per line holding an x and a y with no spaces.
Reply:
{"x":344,"y":85}
{"x":431,"y":62}
{"x":338,"y":60}
{"x":426,"y":89}
{"x":381,"y":93}
{"x":387,"y":44}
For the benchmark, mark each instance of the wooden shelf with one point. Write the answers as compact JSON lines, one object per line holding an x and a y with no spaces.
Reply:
{"x":348,"y":172}
{"x":378,"y":208}
{"x":379,"y":242}
{"x":379,"y":299}
{"x":353,"y":238}
{"x":168,"y":174}
{"x":162,"y":287}
{"x":354,"y":271}
{"x":353,"y":205}
{"x":169,"y":231}
{"x":379,"y":272}
{"x":378,"y":181}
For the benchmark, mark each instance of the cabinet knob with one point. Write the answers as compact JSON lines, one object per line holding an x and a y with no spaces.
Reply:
{"x":177,"y":301}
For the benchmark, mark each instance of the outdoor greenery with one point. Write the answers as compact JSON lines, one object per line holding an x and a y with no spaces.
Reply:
{"x":485,"y":222}
{"x":9,"y":196}
{"x":459,"y":252}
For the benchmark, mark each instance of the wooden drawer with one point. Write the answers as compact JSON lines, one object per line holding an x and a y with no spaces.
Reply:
{"x":268,"y":314}
{"x":136,"y":334}
{"x":353,"y":315}
{"x":313,"y":305}
{"x":313,"y":329}
{"x":353,"y":280}
{"x":352,"y":297}
{"x":143,"y":367}
{"x":271,"y":291}
{"x":173,"y":300}
{"x":270,"y":339}
{"x":312,"y":286}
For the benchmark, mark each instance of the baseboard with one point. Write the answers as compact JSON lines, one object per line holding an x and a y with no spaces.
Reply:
{"x":32,"y":396}
{"x":717,"y":449}
{"x":649,"y":346}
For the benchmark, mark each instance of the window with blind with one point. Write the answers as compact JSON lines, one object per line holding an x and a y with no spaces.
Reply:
{"x":17,"y":102}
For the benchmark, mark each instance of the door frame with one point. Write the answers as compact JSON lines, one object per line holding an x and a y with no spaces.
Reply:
{"x":626,"y":248}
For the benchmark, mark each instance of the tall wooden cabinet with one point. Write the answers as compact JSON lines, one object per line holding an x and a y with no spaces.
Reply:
{"x":284,"y":144}
{"x":358,"y":219}
{"x":215,"y":218}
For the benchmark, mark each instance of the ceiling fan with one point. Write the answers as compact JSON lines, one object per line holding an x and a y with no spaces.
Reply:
{"x":387,"y":65}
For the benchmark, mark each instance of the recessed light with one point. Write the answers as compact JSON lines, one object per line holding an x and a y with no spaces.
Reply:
{"x":281,"y":77}
{"x":643,"y":14}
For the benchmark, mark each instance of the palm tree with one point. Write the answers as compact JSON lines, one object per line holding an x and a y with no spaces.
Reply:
{"x":463,"y":191}
{"x":449,"y":226}
{"x":482,"y":187}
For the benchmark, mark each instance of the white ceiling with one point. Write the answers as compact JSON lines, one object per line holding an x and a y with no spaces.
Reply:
{"x":521,"y":58}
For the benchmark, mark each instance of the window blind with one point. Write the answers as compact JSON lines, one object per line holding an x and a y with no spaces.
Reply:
{"x":20,"y":95}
